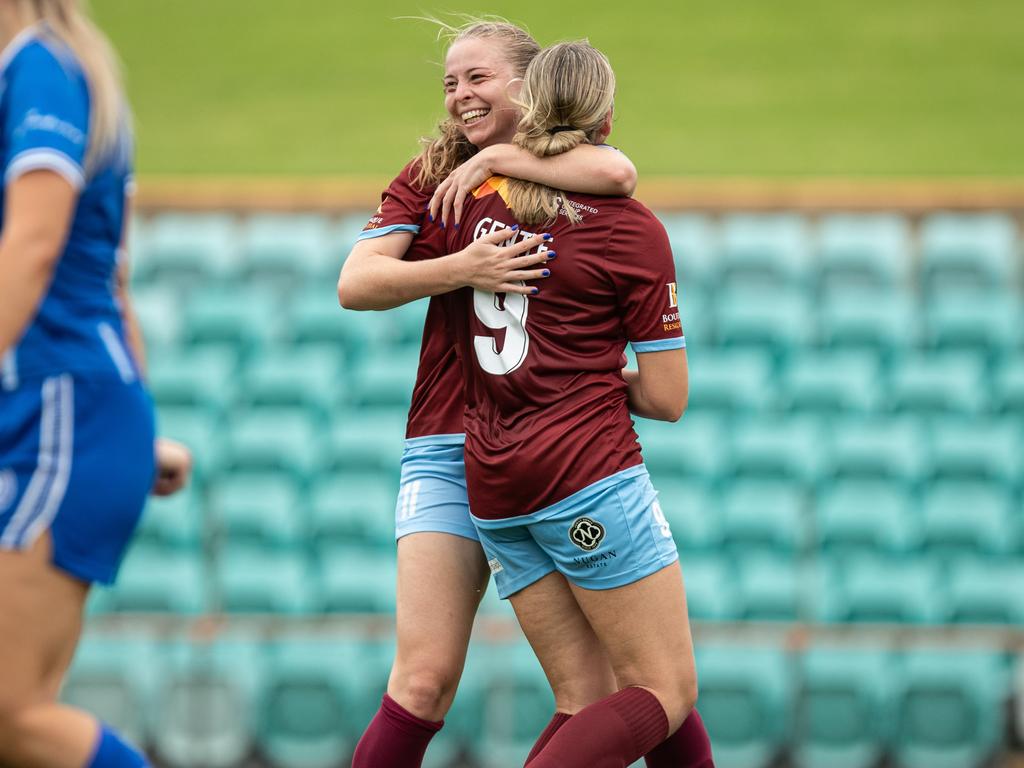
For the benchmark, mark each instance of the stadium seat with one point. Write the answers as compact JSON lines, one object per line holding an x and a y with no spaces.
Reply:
{"x":865,"y":251}
{"x":771,"y":588}
{"x":385,"y":379}
{"x":867,"y":516}
{"x":1008,"y":387}
{"x":734,"y":380}
{"x":778,"y":448}
{"x":254,"y":580}
{"x":878,"y":448}
{"x":355,"y":507}
{"x":157,"y":308}
{"x":764,"y":516}
{"x":951,"y":382}
{"x":313,"y":316}
{"x":969,"y":517}
{"x":693,"y":240}
{"x":356,"y":580}
{"x":832,"y":382}
{"x":711,"y":590}
{"x":158,"y":580}
{"x":778,"y":321}
{"x":246,"y":320}
{"x":274,"y":439}
{"x":877,"y":589}
{"x":696,"y":447}
{"x":368,"y":439}
{"x":764,"y":251}
{"x":978,"y":449}
{"x":172,"y":522}
{"x":286,"y":249}
{"x":968,"y":252}
{"x":886,"y":322}
{"x":985,"y":592}
{"x":844,"y":707}
{"x":310,"y":377}
{"x":692,"y":512}
{"x":114,"y":677}
{"x":990,"y":324}
{"x":950,"y":710}
{"x":204,"y":713}
{"x":187,"y":249}
{"x":262,"y":509}
{"x":746,"y":702}
{"x":200,"y":431}
{"x":195,"y":378}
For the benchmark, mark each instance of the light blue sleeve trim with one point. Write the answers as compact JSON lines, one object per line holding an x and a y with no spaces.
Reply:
{"x":419,"y":442}
{"x":369,"y":234}
{"x":658,"y":346}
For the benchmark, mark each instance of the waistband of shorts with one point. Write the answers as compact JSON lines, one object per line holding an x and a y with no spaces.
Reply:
{"x":622,"y":476}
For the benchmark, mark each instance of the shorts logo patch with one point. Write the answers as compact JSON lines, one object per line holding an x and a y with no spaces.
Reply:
{"x":8,"y":487}
{"x":586,"y":534}
{"x":495,"y":565}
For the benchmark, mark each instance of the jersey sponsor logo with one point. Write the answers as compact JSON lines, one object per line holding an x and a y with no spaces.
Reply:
{"x":35,"y":121}
{"x":495,"y":565}
{"x":8,"y":487}
{"x":596,"y":560}
{"x":586,"y":534}
{"x":673,"y":295}
{"x":671,"y":322}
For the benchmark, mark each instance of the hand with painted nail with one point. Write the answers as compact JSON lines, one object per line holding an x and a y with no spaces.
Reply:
{"x":488,"y":265}
{"x":450,"y":195}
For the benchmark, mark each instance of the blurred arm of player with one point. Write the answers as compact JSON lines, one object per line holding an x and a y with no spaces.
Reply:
{"x":659,"y":389}
{"x":173,"y":460}
{"x":37,"y":217}
{"x":587,"y":169}
{"x":375,"y":276}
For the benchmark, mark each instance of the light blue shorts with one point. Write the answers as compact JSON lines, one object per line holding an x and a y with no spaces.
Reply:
{"x":432,"y":496}
{"x":609,"y":534}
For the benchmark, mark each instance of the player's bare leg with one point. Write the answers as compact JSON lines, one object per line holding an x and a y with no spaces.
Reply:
{"x":40,"y":623}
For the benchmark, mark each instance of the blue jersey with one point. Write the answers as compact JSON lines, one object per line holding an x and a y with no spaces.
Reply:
{"x":44,"y":124}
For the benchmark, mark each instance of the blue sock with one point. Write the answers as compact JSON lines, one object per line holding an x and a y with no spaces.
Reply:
{"x":114,"y":752}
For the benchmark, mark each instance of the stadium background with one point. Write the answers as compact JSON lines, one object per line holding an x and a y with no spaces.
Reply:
{"x":846,"y":489}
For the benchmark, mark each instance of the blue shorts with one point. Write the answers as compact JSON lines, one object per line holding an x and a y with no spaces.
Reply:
{"x":432,"y":496}
{"x":609,"y":534}
{"x":76,"y":458}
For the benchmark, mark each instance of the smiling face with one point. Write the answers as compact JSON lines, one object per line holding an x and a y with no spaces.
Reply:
{"x":479,"y":85}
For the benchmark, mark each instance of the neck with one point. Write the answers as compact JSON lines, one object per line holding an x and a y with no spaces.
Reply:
{"x":12,"y":23}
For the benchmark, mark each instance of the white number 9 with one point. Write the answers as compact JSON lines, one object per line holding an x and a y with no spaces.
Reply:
{"x":508,"y":312}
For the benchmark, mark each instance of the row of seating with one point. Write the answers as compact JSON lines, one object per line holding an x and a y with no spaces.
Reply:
{"x":954,"y":252}
{"x":303,"y":701}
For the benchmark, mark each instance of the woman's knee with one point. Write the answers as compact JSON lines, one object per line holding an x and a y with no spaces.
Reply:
{"x":425,"y":690}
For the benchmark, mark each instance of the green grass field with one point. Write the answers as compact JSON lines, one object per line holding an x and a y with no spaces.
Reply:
{"x":706,"y":88}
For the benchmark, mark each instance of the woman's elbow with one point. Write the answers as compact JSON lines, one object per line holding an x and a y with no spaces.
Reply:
{"x":348,"y":296}
{"x":624,"y":179}
{"x":674,"y":408}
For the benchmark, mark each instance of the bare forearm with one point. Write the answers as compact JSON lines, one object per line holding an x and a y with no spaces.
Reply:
{"x":380,"y":282}
{"x":648,"y":404}
{"x":23,"y":282}
{"x":587,"y":169}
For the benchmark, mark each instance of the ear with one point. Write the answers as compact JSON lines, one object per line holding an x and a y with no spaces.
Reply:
{"x":606,"y":126}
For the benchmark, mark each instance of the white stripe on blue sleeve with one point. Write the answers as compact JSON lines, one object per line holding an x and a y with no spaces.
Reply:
{"x":45,"y":159}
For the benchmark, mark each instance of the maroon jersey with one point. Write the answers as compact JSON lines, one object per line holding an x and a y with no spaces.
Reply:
{"x":437,"y":403}
{"x":546,"y":404}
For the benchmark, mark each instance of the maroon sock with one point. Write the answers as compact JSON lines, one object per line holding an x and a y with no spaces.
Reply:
{"x":395,"y":738}
{"x":557,"y":722}
{"x":609,"y":734}
{"x":688,"y":747}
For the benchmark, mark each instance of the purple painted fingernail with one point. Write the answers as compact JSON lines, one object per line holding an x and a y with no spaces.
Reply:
{"x":514,"y":226}
{"x":546,"y":272}
{"x":431,"y":217}
{"x":548,"y":237}
{"x":535,"y":291}
{"x":551,"y":255}
{"x":456,"y":225}
{"x":442,"y":225}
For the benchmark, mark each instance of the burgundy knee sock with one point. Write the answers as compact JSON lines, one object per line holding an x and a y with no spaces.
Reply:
{"x":557,"y":722}
{"x":609,"y":734}
{"x":395,"y":738}
{"x":688,"y":747}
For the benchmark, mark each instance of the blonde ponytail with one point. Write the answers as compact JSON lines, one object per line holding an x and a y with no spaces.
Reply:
{"x":109,"y":120}
{"x":567,"y":94}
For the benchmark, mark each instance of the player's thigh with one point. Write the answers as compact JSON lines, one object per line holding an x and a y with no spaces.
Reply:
{"x":40,"y":623}
{"x":645,"y":631}
{"x":564,"y":642}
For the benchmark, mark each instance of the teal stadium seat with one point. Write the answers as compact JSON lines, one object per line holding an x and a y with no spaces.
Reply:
{"x":951,"y":708}
{"x":244,"y":320}
{"x":114,"y":677}
{"x":310,"y":377}
{"x":952,"y":382}
{"x":157,"y":308}
{"x":746,"y":702}
{"x":696,"y":447}
{"x":172,"y":522}
{"x":832,"y":382}
{"x":694,"y":245}
{"x":779,"y":448}
{"x":771,"y":588}
{"x":969,"y":252}
{"x":879,"y":589}
{"x":195,"y":378}
{"x":712,"y":592}
{"x":285,"y":250}
{"x":261,"y":509}
{"x":867,"y":516}
{"x":187,"y":249}
{"x":969,"y":517}
{"x":356,"y":580}
{"x":764,"y":251}
{"x":1008,"y":387}
{"x":894,"y":449}
{"x":733,"y":380}
{"x":154,"y":579}
{"x":200,"y":431}
{"x":693,"y":513}
{"x":886,"y":322}
{"x":778,"y":321}
{"x":204,"y":713}
{"x":845,"y":707}
{"x":252,"y":580}
{"x":368,"y":439}
{"x":983,"y":591}
{"x":765,"y":516}
{"x":864,"y":251}
{"x":385,"y":379}
{"x":989,"y":324}
{"x":313,"y":317}
{"x":275,"y":439}
{"x":987,"y":450}
{"x":356,"y":507}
